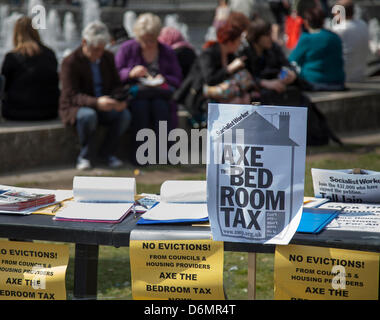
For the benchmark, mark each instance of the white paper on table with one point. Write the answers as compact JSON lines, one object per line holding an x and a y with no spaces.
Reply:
{"x":184,"y":191}
{"x":177,"y":211}
{"x":354,"y":217}
{"x":94,"y":211}
{"x":101,"y":199}
{"x":104,"y":189}
{"x":180,"y":200}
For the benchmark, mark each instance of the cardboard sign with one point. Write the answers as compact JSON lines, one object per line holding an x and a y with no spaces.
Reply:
{"x":32,"y":271}
{"x":314,"y":273}
{"x":255,"y":172}
{"x":177,"y":269}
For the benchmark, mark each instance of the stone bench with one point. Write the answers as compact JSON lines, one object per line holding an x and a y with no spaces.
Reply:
{"x":30,"y":144}
{"x":27,"y":145}
{"x":356,"y":109}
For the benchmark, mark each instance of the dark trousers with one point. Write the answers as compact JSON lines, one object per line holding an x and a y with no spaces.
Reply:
{"x":146,"y":114}
{"x":87,"y":121}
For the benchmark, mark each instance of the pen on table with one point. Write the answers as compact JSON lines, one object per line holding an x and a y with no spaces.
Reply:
{"x":134,"y":213}
{"x":56,"y":208}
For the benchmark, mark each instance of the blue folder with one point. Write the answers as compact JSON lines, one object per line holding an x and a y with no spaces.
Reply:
{"x":314,"y":220}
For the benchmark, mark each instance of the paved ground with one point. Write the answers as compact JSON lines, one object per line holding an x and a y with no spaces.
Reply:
{"x":62,"y":177}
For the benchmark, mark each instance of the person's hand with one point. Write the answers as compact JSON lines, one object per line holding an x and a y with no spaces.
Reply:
{"x":106,"y":103}
{"x":120,"y":106}
{"x":160,"y":79}
{"x":138,"y":72}
{"x":290,"y":77}
{"x":236,"y":64}
{"x":275,"y":84}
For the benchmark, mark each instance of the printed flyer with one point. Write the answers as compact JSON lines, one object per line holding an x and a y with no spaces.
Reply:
{"x":177,"y":269}
{"x":315,"y":273}
{"x":354,"y":217}
{"x":32,"y":271}
{"x":255,"y":172}
{"x":346,"y":186}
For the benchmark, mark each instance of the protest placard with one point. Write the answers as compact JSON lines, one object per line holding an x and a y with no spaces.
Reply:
{"x":347,"y":186}
{"x":177,"y":269}
{"x":315,"y":273}
{"x":32,"y":271}
{"x":255,"y":172}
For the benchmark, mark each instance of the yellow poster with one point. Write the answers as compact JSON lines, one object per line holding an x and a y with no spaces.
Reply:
{"x":314,"y":273}
{"x":181,"y":269}
{"x":32,"y":271}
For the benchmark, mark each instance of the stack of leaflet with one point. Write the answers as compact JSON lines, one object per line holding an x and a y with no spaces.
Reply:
{"x":146,"y":201}
{"x":314,"y":220}
{"x":100,"y":199}
{"x":16,"y":200}
{"x":181,"y":201}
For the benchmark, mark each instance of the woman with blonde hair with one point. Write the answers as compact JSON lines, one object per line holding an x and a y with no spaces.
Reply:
{"x":31,"y":80}
{"x":152,"y":70}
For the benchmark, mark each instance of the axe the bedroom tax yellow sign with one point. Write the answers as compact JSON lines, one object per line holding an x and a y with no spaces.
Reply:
{"x":32,"y":271}
{"x":315,"y":273}
{"x":177,"y":269}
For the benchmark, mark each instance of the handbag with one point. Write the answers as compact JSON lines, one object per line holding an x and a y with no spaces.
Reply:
{"x":238,"y":84}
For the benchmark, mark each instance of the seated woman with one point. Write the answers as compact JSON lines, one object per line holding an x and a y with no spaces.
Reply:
{"x":223,"y":73}
{"x":319,"y":54}
{"x":31,"y":78}
{"x":184,"y":50}
{"x":265,"y":60}
{"x":154,"y":73}
{"x":217,"y":75}
{"x":276,"y":81}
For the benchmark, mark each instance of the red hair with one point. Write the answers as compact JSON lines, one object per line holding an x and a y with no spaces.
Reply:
{"x":227,"y":32}
{"x":232,"y":29}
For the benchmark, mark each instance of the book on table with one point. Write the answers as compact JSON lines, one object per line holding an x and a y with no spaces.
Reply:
{"x":314,"y":220}
{"x":18,"y":200}
{"x":99,"y":199}
{"x":181,"y":201}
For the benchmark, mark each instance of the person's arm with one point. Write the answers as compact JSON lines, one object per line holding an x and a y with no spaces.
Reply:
{"x":115,"y":78}
{"x":124,"y":62}
{"x":211,"y":68}
{"x":298,"y":54}
{"x":107,"y":103}
{"x":172,"y":71}
{"x":7,"y":69}
{"x":71,"y":88}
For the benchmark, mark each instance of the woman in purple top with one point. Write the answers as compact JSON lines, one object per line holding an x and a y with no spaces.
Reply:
{"x":154,"y":73}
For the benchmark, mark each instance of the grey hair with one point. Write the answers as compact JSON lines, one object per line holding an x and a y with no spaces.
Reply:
{"x":96,"y":33}
{"x":147,"y":24}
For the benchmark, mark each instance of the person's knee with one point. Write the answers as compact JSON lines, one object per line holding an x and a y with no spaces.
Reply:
{"x":125,"y":120}
{"x":88,"y":118}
